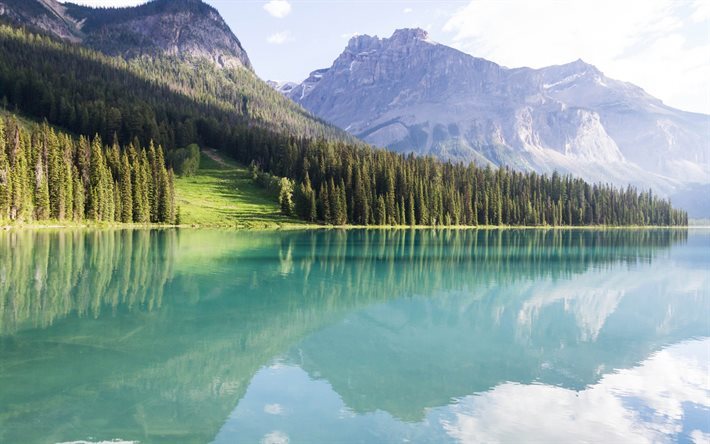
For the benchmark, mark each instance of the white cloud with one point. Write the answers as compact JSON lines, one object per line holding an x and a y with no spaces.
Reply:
{"x":278,"y":8}
{"x":646,"y":42}
{"x":279,"y":38}
{"x":407,"y":10}
{"x":106,"y":3}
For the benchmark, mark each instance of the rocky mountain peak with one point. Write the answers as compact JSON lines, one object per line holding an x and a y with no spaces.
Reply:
{"x":185,"y":28}
{"x":362,"y":42}
{"x":407,"y":35}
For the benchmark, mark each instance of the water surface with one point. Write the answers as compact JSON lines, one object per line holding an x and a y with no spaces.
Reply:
{"x":183,"y":336}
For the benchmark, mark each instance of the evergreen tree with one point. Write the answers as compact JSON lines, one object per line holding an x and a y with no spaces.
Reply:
{"x":79,"y":196}
{"x":126,"y":189}
{"x":286,"y":196}
{"x":381,"y":211}
{"x":41,"y":191}
{"x":324,"y":211}
{"x":163,"y":189}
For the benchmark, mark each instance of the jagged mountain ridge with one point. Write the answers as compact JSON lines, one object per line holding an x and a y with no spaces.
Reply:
{"x":188,"y":28}
{"x":411,"y":94}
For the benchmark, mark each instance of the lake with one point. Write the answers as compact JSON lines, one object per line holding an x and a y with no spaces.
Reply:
{"x":359,"y":336}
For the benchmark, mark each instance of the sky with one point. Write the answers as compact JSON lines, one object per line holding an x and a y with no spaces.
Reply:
{"x":662,"y":46}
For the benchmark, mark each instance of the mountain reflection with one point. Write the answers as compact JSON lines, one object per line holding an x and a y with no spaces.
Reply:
{"x":156,"y":335}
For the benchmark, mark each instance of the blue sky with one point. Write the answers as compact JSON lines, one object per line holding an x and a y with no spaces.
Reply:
{"x":660,"y":45}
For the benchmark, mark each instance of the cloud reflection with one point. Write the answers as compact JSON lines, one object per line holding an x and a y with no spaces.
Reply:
{"x":647,"y":403}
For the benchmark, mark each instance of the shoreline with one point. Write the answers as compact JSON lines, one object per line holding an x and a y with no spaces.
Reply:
{"x":308,"y":227}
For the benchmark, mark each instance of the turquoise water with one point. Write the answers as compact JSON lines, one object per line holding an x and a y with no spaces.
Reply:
{"x":354,"y":336}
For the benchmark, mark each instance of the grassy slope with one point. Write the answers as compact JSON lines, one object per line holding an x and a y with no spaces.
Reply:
{"x":221,"y":193}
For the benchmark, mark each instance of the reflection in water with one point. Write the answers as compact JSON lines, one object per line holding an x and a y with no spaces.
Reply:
{"x":649,"y":403}
{"x":646,"y":404}
{"x":157,"y":335}
{"x":48,"y":275}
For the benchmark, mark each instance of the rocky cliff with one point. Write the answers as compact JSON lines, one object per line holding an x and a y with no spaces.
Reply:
{"x":186,"y":28}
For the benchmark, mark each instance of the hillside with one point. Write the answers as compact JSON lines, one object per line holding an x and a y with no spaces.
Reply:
{"x":222,"y":193}
{"x":171,"y":91}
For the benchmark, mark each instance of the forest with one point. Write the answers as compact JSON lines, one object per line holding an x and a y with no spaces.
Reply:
{"x":49,"y":175}
{"x":323,"y":174}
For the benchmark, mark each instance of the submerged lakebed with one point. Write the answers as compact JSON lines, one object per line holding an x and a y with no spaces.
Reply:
{"x":190,"y":336}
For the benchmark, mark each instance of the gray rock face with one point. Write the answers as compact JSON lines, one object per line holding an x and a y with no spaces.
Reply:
{"x":188,"y":28}
{"x":411,"y":94}
{"x":49,"y":16}
{"x":283,"y":87}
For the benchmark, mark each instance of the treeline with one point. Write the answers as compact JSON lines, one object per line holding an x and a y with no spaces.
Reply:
{"x":329,"y":178}
{"x":48,"y":175}
{"x":338,"y":184}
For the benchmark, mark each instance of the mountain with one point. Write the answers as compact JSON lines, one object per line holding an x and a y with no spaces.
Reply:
{"x":411,"y":94}
{"x":186,"y":28}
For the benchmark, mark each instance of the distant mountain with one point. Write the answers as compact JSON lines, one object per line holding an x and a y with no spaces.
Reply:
{"x":188,"y":28}
{"x":412,"y":94}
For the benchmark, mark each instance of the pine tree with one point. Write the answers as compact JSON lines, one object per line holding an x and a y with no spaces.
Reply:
{"x":411,"y":216}
{"x":55,"y":167}
{"x":42,"y":209}
{"x":171,"y":198}
{"x":79,"y":196}
{"x":381,"y":211}
{"x":162,"y":188}
{"x":306,"y":203}
{"x":68,"y":179}
{"x":126,"y":189}
{"x":343,"y":204}
{"x":361,"y":210}
{"x":286,"y":196}
{"x":96,"y":191}
{"x":145,"y":188}
{"x":154,"y":184}
{"x":324,"y":211}
{"x":117,"y":203}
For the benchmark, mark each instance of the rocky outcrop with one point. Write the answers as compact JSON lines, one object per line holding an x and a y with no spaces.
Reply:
{"x":186,"y":28}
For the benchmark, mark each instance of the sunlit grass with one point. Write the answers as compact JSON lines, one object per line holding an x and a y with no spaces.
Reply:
{"x":224,"y":195}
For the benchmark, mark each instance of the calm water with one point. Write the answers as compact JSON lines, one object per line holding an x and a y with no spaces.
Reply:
{"x":355,"y":337}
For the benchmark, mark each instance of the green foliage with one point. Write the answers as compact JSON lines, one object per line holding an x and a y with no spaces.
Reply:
{"x":185,"y":161}
{"x":48,"y":175}
{"x":286,"y":196}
